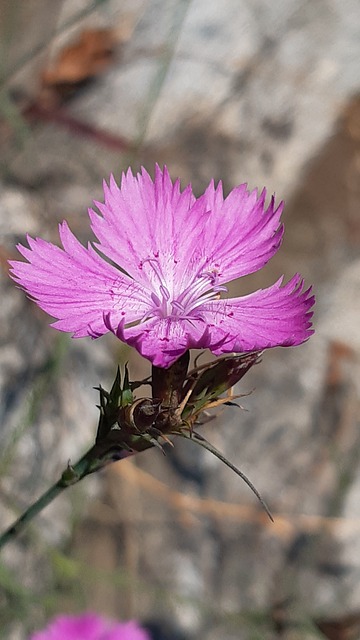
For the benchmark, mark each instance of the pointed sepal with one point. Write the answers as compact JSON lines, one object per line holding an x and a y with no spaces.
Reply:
{"x":202,"y":442}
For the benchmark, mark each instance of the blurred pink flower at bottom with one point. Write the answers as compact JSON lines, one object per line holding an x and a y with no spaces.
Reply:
{"x":90,"y":626}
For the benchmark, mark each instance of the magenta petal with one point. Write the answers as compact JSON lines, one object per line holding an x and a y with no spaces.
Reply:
{"x":162,"y":341}
{"x":87,"y":627}
{"x":127,"y":631}
{"x":76,"y":285}
{"x":240,"y":234}
{"x":90,"y":626}
{"x":276,"y":316}
{"x":144,"y":219}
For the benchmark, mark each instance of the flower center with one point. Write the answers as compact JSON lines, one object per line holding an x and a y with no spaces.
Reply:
{"x":182,"y":304}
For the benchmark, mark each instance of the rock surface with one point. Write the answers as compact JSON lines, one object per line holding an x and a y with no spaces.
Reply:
{"x":258,"y":91}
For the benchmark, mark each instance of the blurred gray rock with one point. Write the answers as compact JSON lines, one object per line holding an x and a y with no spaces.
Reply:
{"x":243,"y":91}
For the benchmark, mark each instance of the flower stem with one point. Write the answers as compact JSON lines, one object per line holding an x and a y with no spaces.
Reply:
{"x":30,"y":513}
{"x":167,"y":384}
{"x":89,"y":463}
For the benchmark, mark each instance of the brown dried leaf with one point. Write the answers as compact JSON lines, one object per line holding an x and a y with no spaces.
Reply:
{"x":346,"y":628}
{"x":83,"y":60}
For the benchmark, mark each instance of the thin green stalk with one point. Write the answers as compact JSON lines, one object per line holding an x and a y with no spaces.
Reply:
{"x":89,"y":463}
{"x":200,"y":440}
{"x":165,"y":58}
{"x":30,"y":513}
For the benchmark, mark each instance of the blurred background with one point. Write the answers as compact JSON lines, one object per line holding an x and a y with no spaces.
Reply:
{"x":244,"y":91}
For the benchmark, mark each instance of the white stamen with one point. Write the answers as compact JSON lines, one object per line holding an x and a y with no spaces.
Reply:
{"x":165,"y":292}
{"x":202,"y":289}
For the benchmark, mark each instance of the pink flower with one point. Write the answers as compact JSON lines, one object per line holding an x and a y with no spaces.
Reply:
{"x":90,"y":627}
{"x":156,"y":276}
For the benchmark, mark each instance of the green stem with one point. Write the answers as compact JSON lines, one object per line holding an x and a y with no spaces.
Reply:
{"x":89,"y":463}
{"x":167,"y":384}
{"x":30,"y":513}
